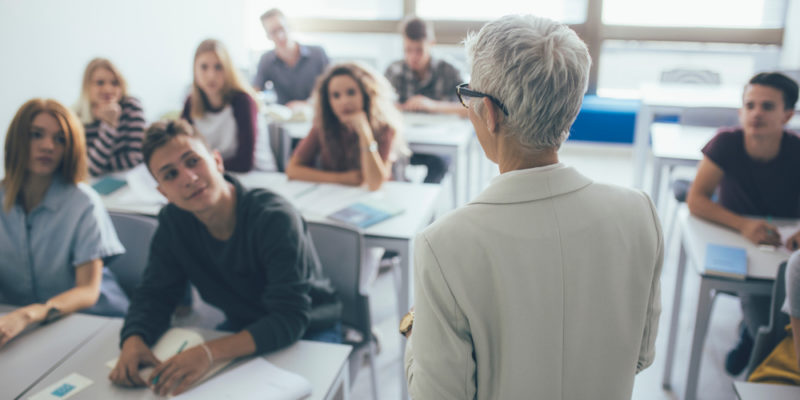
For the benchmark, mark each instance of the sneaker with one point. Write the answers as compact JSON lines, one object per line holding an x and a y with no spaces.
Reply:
{"x":738,"y":357}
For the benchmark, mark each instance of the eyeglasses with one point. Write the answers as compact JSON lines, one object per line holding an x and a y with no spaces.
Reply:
{"x":463,"y":90}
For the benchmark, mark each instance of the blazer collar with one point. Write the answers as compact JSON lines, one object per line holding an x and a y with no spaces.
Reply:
{"x":532,"y":184}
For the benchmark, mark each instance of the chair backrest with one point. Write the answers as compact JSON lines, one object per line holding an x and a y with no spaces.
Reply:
{"x":692,"y":76}
{"x":280,"y":143}
{"x":769,"y":336}
{"x":135,"y":232}
{"x":341,"y":251}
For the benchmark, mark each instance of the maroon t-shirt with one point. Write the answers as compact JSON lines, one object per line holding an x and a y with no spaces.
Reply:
{"x":342,"y":152}
{"x":751,"y":187}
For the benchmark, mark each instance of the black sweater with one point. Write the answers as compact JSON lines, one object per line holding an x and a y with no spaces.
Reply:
{"x":259,"y":277}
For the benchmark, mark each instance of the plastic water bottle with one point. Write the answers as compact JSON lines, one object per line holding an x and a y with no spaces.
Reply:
{"x":268,"y":96}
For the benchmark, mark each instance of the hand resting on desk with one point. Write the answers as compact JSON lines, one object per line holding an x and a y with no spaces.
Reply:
{"x":11,"y":325}
{"x":134,"y":355}
{"x":760,"y":232}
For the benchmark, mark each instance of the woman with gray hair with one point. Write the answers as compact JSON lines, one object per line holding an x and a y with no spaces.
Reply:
{"x":547,"y":284}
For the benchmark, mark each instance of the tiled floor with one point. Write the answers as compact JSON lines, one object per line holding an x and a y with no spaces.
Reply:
{"x":610,"y":164}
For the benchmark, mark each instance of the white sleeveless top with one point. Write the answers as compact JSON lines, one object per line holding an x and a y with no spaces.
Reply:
{"x":219,"y":129}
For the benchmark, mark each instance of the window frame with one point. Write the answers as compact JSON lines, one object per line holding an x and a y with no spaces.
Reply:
{"x":592,"y":31}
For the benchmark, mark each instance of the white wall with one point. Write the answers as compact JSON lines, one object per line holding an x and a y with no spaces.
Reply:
{"x":46,"y":45}
{"x":791,"y":37}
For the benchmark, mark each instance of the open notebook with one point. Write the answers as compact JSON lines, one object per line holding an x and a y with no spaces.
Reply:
{"x":367,"y":212}
{"x":253,"y":379}
{"x":169,"y":344}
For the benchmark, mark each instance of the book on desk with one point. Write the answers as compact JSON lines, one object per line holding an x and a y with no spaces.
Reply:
{"x":366,"y":213}
{"x":253,"y":378}
{"x":107,"y":185}
{"x":726,"y":261}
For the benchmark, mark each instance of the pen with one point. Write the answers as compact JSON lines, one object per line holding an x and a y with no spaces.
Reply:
{"x":770,"y":232}
{"x":180,"y":349}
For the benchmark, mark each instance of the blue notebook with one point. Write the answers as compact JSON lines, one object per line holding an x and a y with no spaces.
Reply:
{"x":726,"y":261}
{"x":108,"y":185}
{"x":366,"y":213}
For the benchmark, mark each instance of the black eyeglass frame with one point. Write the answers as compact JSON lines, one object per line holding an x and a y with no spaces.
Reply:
{"x":463,"y":89}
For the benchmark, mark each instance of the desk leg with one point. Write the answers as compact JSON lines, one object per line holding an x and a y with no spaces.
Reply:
{"x":641,"y":144}
{"x":340,"y":389}
{"x":655,"y":186}
{"x":704,"y":303}
{"x":404,"y":249}
{"x":674,"y":319}
{"x":460,"y":174}
{"x":403,"y":305}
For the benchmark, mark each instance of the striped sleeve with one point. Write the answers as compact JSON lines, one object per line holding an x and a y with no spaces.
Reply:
{"x":117,"y":148}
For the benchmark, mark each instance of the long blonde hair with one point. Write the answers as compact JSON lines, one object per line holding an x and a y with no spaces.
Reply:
{"x":378,"y":97}
{"x":233,"y":81}
{"x":84,"y":105}
{"x":73,"y":166}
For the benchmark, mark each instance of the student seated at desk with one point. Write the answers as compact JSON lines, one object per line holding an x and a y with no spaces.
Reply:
{"x":354,"y":138}
{"x":425,"y":84}
{"x":113,"y":120}
{"x":222,"y":108}
{"x":246,"y":251}
{"x":782,"y":365}
{"x":55,"y":233}
{"x":291,"y":67}
{"x":756,"y":171}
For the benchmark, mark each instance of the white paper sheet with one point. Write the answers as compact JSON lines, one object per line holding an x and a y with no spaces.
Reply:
{"x":254,"y":379}
{"x":64,"y":388}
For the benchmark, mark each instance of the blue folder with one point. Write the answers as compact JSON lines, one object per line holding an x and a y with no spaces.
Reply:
{"x":108,"y":185}
{"x":726,"y":261}
{"x":366,"y":213}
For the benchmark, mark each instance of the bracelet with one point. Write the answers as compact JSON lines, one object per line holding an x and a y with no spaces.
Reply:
{"x":208,"y":353}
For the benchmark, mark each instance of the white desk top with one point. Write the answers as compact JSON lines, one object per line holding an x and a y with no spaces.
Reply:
{"x":685,"y":142}
{"x":682,"y":142}
{"x":318,"y":362}
{"x":698,"y":233}
{"x":761,"y":391}
{"x":688,"y":95}
{"x":31,"y":354}
{"x":316,"y":201}
{"x":430,"y":129}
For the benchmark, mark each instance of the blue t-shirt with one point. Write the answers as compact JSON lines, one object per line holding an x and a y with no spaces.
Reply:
{"x":40,"y":250}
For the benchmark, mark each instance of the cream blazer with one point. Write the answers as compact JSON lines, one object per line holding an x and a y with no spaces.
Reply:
{"x":546,"y":286}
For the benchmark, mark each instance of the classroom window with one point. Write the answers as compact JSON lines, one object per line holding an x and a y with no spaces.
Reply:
{"x":627,"y":64}
{"x":567,"y":11}
{"x":696,"y":13}
{"x":334,"y":9}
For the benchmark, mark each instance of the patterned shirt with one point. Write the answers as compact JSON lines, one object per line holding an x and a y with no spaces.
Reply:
{"x":440,"y":84}
{"x":116,"y":148}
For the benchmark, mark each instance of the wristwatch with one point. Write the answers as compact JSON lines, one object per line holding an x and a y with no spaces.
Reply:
{"x":406,"y":323}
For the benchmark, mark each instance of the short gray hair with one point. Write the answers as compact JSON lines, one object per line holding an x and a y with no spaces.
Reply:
{"x":538,"y":68}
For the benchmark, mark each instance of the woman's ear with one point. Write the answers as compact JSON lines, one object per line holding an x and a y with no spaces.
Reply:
{"x":492,"y":118}
{"x":218,"y":161}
